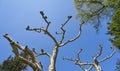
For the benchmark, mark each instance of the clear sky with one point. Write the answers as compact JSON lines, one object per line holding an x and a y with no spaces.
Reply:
{"x":15,"y":15}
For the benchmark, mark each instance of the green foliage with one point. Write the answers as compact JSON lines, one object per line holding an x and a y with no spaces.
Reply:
{"x":12,"y":64}
{"x":115,"y":4}
{"x":93,"y":11}
{"x":114,"y":29}
{"x":89,"y":11}
{"x":85,"y":9}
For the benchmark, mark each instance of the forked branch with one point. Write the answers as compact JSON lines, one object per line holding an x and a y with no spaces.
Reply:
{"x":76,"y":37}
{"x":43,"y":53}
{"x":32,"y":61}
{"x":94,"y":64}
{"x":63,"y":30}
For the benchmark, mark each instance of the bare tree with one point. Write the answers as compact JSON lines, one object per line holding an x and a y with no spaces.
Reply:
{"x":31,"y":60}
{"x":94,"y":64}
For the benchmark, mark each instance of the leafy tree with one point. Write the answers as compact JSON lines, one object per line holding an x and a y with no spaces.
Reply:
{"x":93,"y":11}
{"x":13,"y":64}
{"x":114,"y":29}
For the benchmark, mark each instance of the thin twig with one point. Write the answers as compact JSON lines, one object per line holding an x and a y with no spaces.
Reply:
{"x":76,"y":37}
{"x":44,"y":29}
{"x":109,"y":56}
{"x":43,"y":53}
{"x":45,"y":19}
{"x":63,"y":30}
{"x":78,"y":54}
{"x":94,"y":64}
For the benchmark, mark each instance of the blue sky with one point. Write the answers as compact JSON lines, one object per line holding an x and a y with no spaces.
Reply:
{"x":15,"y":15}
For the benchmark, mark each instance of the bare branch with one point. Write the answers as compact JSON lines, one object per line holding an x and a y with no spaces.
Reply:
{"x":90,"y":68}
{"x":78,"y":54}
{"x":29,"y":52}
{"x":8,"y":37}
{"x":15,"y":46}
{"x":99,"y":53}
{"x":33,"y":29}
{"x":51,"y":36}
{"x":83,"y":64}
{"x":13,"y":43}
{"x":79,"y":63}
{"x":63,"y":30}
{"x":69,"y":59}
{"x":43,"y":53}
{"x":27,"y":62}
{"x":45,"y":19}
{"x":44,"y":29}
{"x":94,"y":64}
{"x":109,"y":56}
{"x":76,"y":37}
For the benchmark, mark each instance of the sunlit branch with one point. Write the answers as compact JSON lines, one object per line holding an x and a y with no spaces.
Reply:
{"x":43,"y":53}
{"x":16,"y":46}
{"x":90,"y":68}
{"x":44,"y":29}
{"x":78,"y":54}
{"x":26,"y":61}
{"x":79,"y":63}
{"x":99,"y":53}
{"x":33,"y":29}
{"x":94,"y":64}
{"x":63,"y":30}
{"x":70,"y":59}
{"x":53,"y":56}
{"x":76,"y":37}
{"x":109,"y":56}
{"x":45,"y":19}
{"x":29,"y":52}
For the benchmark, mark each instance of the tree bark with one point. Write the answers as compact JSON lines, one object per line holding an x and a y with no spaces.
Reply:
{"x":52,"y":66}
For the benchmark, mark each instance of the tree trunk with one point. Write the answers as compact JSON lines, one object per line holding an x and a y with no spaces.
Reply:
{"x":52,"y":66}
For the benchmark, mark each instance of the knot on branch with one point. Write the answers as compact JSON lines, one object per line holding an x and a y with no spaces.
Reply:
{"x":69,"y":17}
{"x":28,"y":28}
{"x":42,"y":13}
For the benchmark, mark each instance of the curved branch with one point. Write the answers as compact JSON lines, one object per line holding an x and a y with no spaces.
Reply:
{"x":15,"y":46}
{"x":63,"y":30}
{"x":43,"y":53}
{"x":76,"y":37}
{"x":109,"y":56}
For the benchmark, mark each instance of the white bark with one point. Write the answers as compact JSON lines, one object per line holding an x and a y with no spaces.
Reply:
{"x":52,"y":66}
